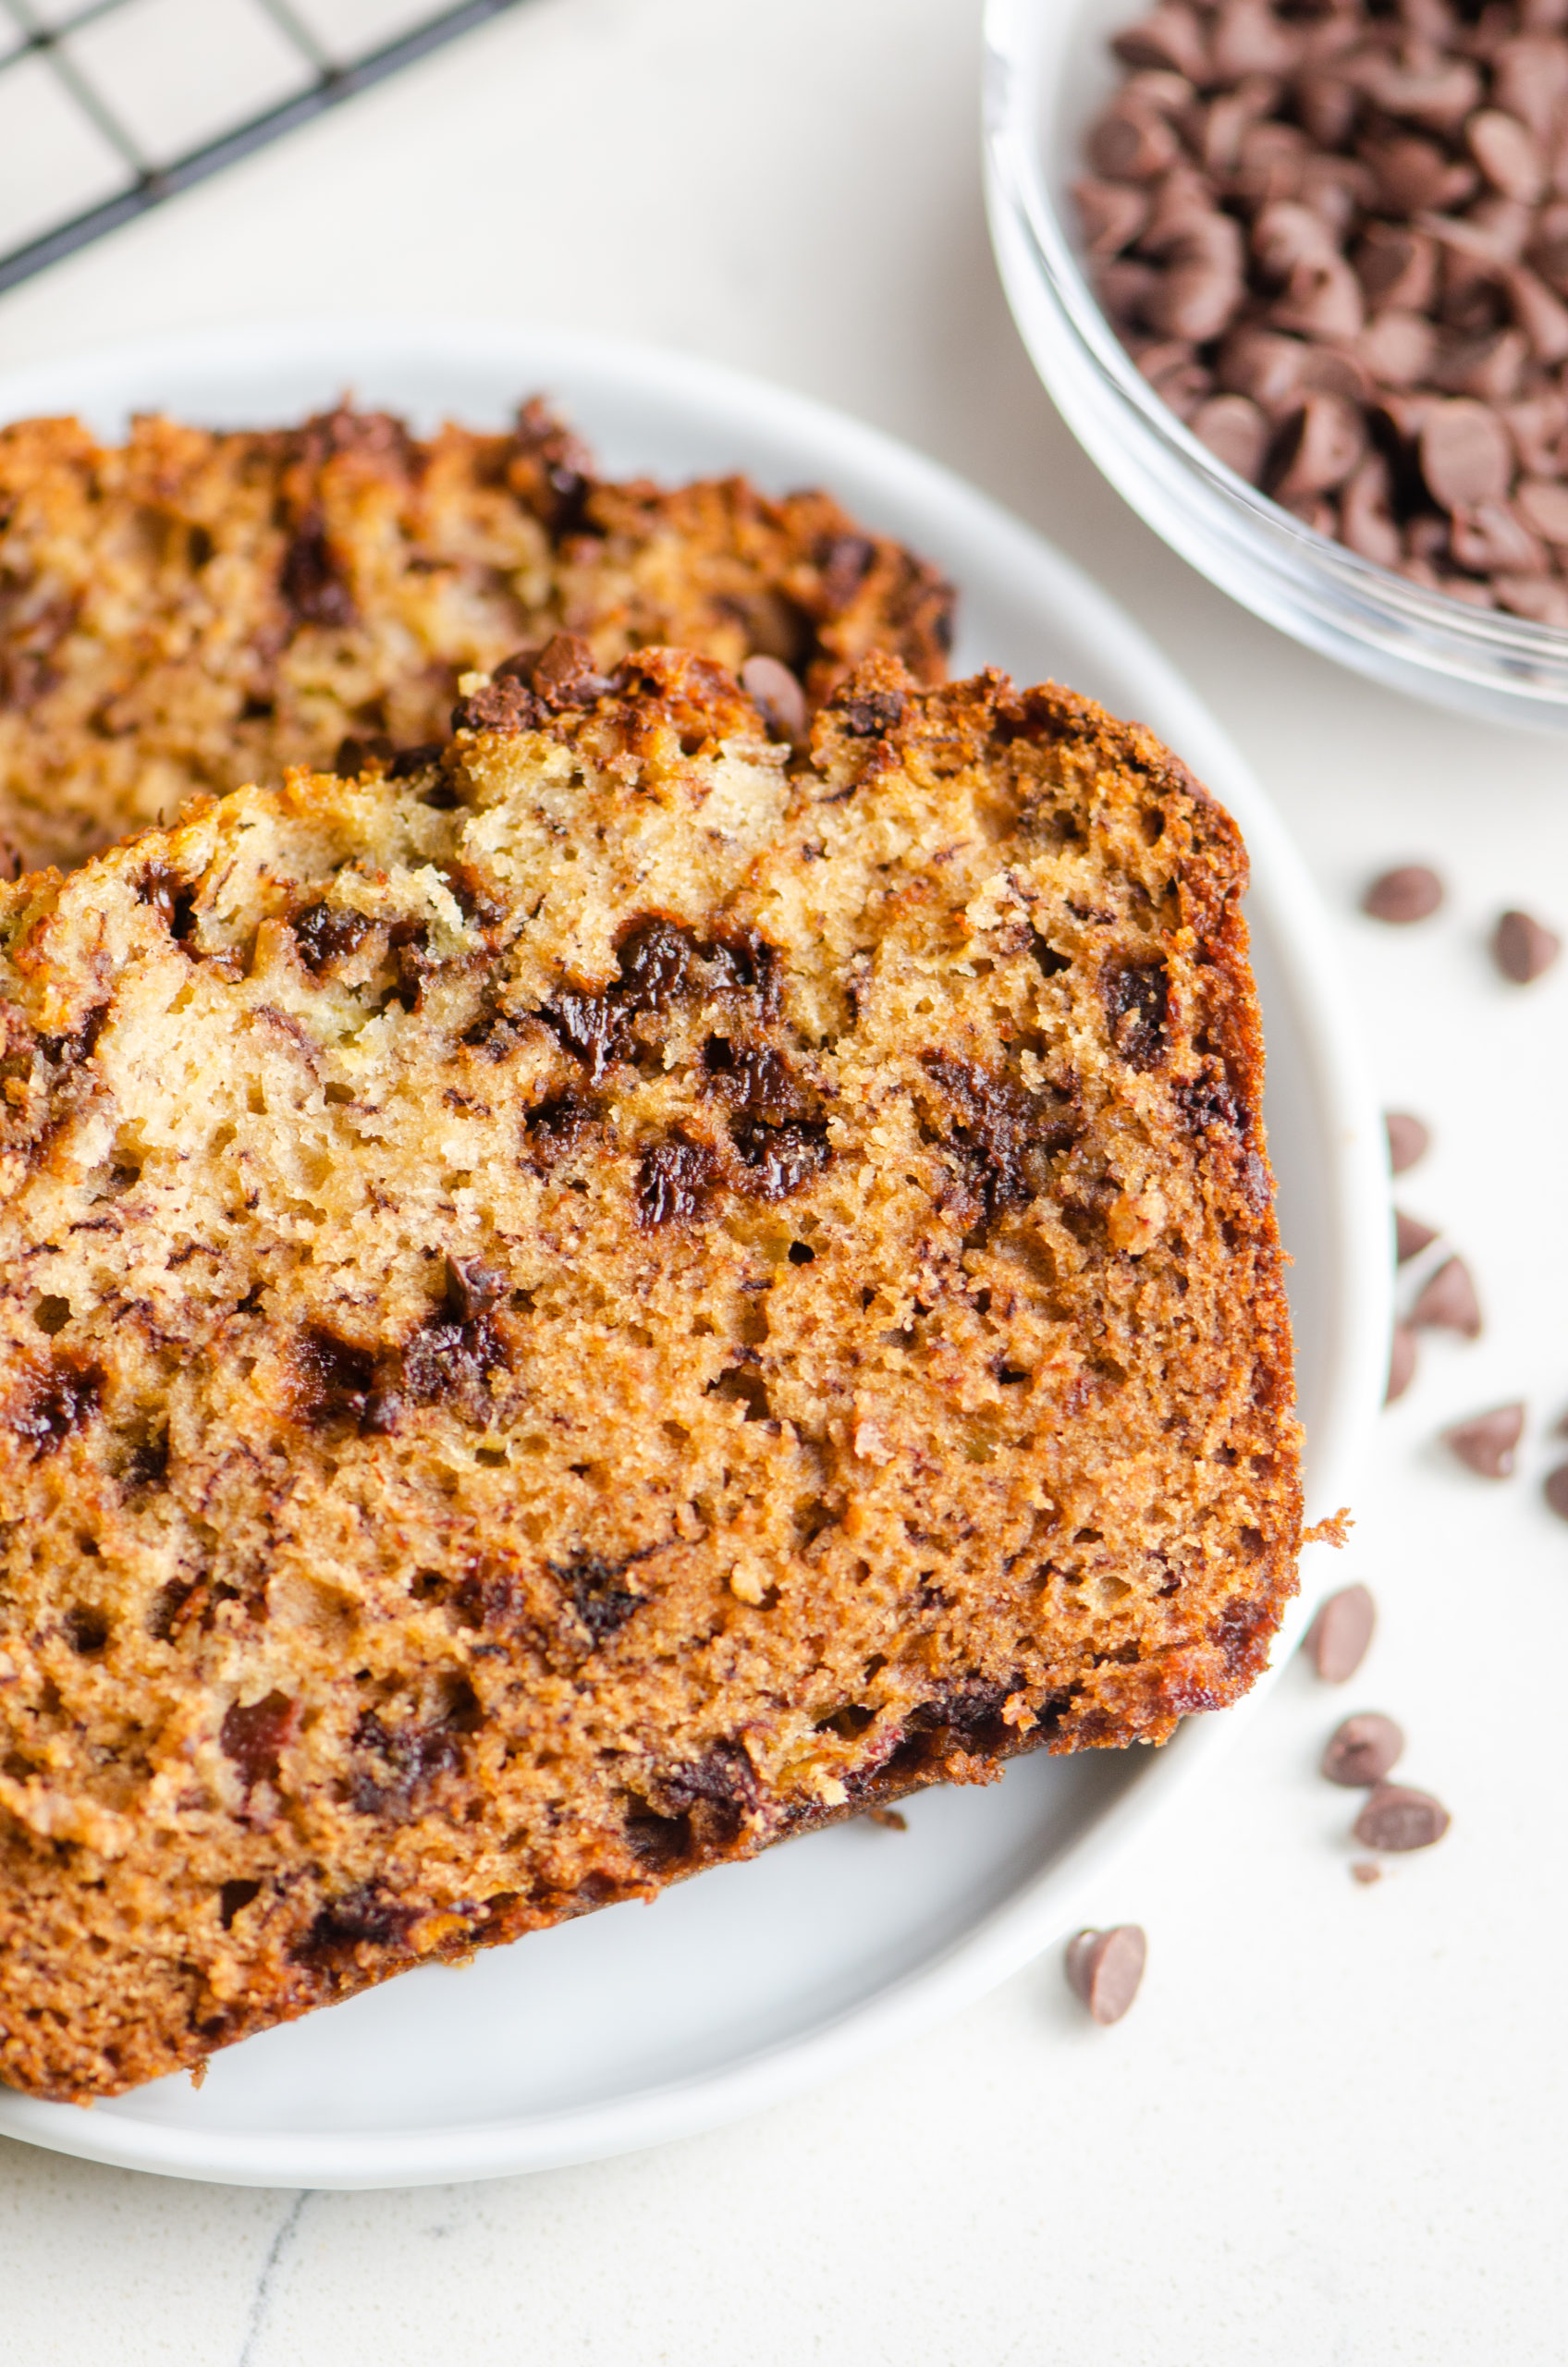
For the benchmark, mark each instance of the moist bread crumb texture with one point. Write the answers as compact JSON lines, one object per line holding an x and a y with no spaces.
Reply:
{"x":193,"y":611}
{"x":599,"y":1305}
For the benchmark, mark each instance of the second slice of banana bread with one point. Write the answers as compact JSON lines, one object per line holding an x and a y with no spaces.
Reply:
{"x":192,"y":611}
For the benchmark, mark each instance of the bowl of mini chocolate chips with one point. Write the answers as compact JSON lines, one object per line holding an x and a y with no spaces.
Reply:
{"x":1295,"y":273}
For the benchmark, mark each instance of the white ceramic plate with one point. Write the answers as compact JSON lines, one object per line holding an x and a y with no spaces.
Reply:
{"x":639,"y":2024}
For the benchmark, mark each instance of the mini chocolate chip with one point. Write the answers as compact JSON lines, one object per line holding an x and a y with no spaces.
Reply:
{"x":1361,"y":1750}
{"x":1409,"y":1139}
{"x":1104,"y":1968}
{"x":1316,"y":450}
{"x":1396,"y":1817}
{"x":1402,"y":1363}
{"x":1487,"y":1442}
{"x":1202,"y":288}
{"x":778,"y":698}
{"x":1366,"y":519}
{"x":1555,"y":1490}
{"x":1543,"y":505}
{"x":1285,"y":234}
{"x":1111,"y":213}
{"x":1322,"y":299}
{"x":1448,"y":1301}
{"x":1398,"y":266}
{"x":1337,"y":1638}
{"x":1466,"y":454}
{"x":1169,"y":37}
{"x":1524,"y":949}
{"x":1235,"y":431}
{"x":1507,"y":154}
{"x":1526,"y":595}
{"x":1249,"y":39}
{"x":1133,"y":143}
{"x":1410,"y":893}
{"x":1411,"y":1236}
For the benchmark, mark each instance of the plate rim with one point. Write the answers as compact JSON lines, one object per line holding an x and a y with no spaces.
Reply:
{"x":1042,"y":1907}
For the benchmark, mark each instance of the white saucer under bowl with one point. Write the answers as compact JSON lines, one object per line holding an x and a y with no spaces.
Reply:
{"x":641,"y":2024}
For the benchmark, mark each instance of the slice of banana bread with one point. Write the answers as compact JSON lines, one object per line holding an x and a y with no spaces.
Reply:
{"x":196,"y":611}
{"x":577,"y":1313}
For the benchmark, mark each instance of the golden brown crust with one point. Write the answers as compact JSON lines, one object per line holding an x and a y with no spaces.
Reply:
{"x":575,"y":1313}
{"x":194,"y":611}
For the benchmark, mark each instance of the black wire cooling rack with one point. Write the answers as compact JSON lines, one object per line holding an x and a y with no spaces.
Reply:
{"x":109,"y":106}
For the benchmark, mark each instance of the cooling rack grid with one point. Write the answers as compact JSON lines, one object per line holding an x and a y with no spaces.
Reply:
{"x":109,"y":106}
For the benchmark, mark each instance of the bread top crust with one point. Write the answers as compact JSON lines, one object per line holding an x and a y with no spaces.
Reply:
{"x":192,"y":611}
{"x":572,"y":1314}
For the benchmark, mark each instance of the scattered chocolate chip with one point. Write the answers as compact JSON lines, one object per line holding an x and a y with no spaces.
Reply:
{"x":1366,"y":1870}
{"x":1361,"y":1751}
{"x":1488,"y":1442}
{"x":778,"y":698}
{"x":1409,"y":1140}
{"x":1524,"y":949}
{"x":1410,"y":893}
{"x":1396,"y":1817}
{"x":1449,"y":1302}
{"x":1104,"y":1968}
{"x":1402,"y":1363}
{"x":1555,"y":1490}
{"x":1411,"y":1236}
{"x":1337,"y":1638}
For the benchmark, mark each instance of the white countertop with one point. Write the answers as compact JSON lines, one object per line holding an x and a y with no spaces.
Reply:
{"x":1332,"y":2128}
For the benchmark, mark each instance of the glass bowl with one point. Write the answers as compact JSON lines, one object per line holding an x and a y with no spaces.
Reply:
{"x":1048,"y":69}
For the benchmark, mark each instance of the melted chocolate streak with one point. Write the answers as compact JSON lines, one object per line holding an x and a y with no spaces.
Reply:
{"x":777,"y":1144}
